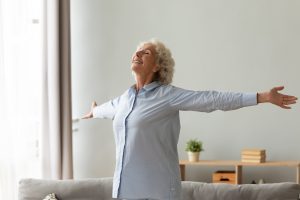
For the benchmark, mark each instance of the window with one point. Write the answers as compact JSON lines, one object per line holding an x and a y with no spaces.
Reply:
{"x":20,"y":92}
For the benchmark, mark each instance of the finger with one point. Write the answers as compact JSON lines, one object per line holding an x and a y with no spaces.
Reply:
{"x":289,"y":98}
{"x":289,"y":102}
{"x":86,"y":116}
{"x":285,"y":107}
{"x":278,"y":88}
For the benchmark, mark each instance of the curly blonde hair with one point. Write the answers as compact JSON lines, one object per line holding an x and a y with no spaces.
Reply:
{"x":164,"y":60}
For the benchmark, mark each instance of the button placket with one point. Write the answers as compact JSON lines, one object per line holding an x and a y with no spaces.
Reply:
{"x":124,"y":143}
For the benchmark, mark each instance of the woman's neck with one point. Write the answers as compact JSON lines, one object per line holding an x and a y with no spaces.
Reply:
{"x":142,"y":81}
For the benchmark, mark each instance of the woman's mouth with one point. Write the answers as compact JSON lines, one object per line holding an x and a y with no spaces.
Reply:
{"x":137,"y":61}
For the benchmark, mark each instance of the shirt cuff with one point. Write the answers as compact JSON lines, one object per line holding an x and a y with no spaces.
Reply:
{"x":249,"y":99}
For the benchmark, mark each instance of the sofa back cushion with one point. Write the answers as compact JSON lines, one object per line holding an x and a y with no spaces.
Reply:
{"x":222,"y":191}
{"x":101,"y":188}
{"x":92,"y":189}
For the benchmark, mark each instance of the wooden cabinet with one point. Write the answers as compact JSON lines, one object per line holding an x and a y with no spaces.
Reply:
{"x":224,"y":177}
{"x":239,"y":166}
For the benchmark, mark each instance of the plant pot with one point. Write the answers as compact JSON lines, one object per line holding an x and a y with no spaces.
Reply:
{"x":193,"y":156}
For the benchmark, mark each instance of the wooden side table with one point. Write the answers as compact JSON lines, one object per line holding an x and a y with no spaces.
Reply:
{"x":239,"y":166}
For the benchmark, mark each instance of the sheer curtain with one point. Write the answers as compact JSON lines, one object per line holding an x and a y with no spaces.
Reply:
{"x":35,"y":106}
{"x":20,"y":93}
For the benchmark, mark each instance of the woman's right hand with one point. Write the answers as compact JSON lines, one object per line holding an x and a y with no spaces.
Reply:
{"x":90,"y":114}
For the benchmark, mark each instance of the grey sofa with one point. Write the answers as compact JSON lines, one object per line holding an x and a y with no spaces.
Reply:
{"x":100,"y":189}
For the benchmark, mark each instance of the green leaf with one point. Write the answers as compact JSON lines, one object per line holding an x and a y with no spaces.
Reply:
{"x":194,"y":145}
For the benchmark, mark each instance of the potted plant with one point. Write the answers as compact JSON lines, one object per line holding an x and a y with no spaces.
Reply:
{"x":193,"y":148}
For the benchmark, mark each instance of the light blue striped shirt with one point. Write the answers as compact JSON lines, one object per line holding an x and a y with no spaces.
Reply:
{"x":146,"y":128}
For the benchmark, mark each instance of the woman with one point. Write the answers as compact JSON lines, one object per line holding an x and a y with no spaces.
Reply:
{"x":146,"y":123}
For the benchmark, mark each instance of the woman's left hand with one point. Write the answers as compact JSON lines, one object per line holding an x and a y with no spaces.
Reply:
{"x":276,"y":98}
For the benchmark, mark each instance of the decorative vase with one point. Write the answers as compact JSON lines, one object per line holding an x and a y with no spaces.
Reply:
{"x":193,"y":156}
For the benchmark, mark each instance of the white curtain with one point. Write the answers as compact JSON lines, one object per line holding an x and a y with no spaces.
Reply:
{"x":35,"y":106}
{"x":20,"y":93}
{"x":56,"y":102}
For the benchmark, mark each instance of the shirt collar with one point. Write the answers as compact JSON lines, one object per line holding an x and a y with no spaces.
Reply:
{"x":151,"y":86}
{"x":147,"y":87}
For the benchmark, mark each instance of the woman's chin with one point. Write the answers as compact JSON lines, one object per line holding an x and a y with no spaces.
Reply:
{"x":135,"y":68}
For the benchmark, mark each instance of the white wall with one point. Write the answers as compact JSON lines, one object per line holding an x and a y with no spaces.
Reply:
{"x":223,"y":45}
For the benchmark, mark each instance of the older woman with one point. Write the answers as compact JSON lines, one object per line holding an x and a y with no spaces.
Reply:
{"x":146,"y":123}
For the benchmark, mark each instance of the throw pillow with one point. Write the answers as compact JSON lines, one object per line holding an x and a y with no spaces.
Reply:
{"x":51,"y":196}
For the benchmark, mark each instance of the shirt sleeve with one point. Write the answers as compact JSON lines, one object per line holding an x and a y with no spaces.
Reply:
{"x":208,"y":101}
{"x":106,"y":110}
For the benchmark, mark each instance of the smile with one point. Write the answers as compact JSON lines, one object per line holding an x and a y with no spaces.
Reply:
{"x":137,"y":61}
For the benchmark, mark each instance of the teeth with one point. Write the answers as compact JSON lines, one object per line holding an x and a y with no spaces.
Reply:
{"x":136,"y":61}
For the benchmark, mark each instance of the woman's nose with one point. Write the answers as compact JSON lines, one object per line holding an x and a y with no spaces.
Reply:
{"x":138,"y":53}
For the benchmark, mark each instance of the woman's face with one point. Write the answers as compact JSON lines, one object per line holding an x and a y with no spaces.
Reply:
{"x":144,"y":60}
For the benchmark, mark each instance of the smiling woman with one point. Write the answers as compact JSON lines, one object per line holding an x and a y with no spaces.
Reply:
{"x":217,"y":45}
{"x":146,"y":123}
